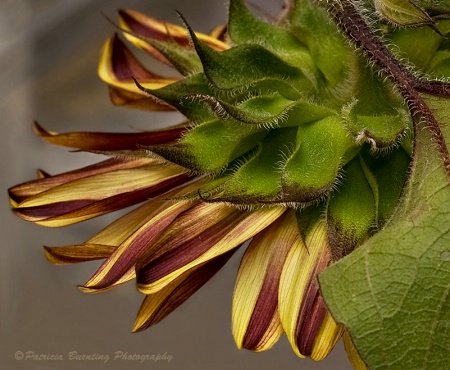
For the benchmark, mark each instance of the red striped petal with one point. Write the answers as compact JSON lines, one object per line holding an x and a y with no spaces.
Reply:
{"x":98,"y":141}
{"x":157,"y":306}
{"x":197,"y":235}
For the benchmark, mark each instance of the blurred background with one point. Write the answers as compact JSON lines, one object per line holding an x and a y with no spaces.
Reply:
{"x":49,"y":51}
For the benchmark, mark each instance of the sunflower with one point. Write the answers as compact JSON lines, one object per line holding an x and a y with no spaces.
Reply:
{"x":290,"y":141}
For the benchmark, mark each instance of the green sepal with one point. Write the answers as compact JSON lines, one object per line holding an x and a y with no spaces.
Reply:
{"x":439,"y":66}
{"x":243,"y":65}
{"x":373,"y":95}
{"x":268,"y":86}
{"x":246,"y":28}
{"x":322,"y":149}
{"x":209,"y":191}
{"x":185,"y":60}
{"x":268,"y":110}
{"x":417,"y":45}
{"x":434,"y":7}
{"x":351,"y":211}
{"x":380,"y":131}
{"x":211,"y":146}
{"x":179,"y":95}
{"x":387,"y":176}
{"x":307,"y":217}
{"x":311,"y":24}
{"x":403,"y":12}
{"x":258,"y":180}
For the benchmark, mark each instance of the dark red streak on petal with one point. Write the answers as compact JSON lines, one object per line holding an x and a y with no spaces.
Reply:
{"x":182,"y":253}
{"x":263,"y":312}
{"x":146,"y":31}
{"x":188,"y":287}
{"x":80,"y":208}
{"x":125,"y":65}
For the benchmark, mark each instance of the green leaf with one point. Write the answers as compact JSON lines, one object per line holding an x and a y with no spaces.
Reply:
{"x":392,"y":293}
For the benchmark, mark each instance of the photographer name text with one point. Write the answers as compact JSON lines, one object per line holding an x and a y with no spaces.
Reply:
{"x":102,"y":357}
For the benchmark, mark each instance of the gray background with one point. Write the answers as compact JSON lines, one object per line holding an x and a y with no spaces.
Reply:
{"x":49,"y":51}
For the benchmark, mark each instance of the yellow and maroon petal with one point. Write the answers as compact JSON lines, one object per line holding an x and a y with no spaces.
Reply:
{"x":118,"y":67}
{"x":140,"y":26}
{"x":45,"y":182}
{"x":124,"y":258}
{"x":160,"y":304}
{"x":103,"y":141}
{"x":219,"y":33}
{"x":78,"y":253}
{"x":309,"y":326}
{"x":98,"y":194}
{"x":255,"y":317}
{"x":124,"y":98}
{"x":188,"y":242}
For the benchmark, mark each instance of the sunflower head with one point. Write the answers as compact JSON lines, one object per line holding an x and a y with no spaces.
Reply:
{"x":289,"y":138}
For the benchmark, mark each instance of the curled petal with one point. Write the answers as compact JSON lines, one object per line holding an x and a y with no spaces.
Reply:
{"x":187,"y":243}
{"x":255,"y":318}
{"x":117,"y":67}
{"x":98,"y":141}
{"x":157,"y":306}
{"x":309,"y":327}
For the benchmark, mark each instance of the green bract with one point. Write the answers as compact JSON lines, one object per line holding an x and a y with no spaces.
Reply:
{"x":285,"y":114}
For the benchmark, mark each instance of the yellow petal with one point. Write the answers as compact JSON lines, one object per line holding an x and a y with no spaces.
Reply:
{"x":352,"y":353}
{"x":256,"y":323}
{"x":305,"y":319}
{"x":98,"y":194}
{"x":329,"y":335}
{"x":126,"y":255}
{"x":78,"y":253}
